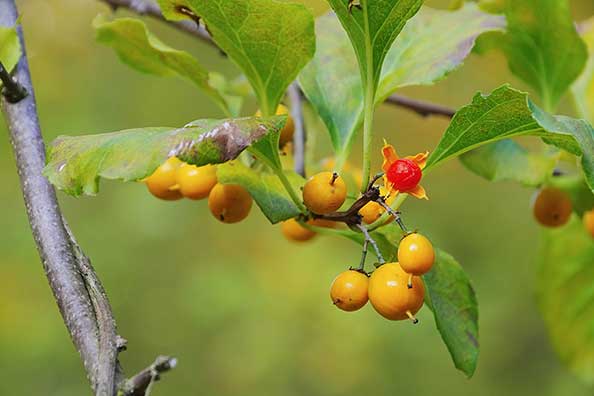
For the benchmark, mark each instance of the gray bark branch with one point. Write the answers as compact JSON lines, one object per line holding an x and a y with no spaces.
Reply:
{"x":76,"y":288}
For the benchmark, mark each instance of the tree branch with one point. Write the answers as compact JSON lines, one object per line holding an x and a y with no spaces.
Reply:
{"x":422,"y":108}
{"x":76,"y":288}
{"x":299,"y":136}
{"x":141,"y":383}
{"x":150,"y":8}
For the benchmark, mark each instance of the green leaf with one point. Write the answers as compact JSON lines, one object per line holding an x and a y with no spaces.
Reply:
{"x":583,"y":88}
{"x":372,"y":29}
{"x":543,"y":47}
{"x":331,"y":82}
{"x":270,"y":41}
{"x":432,"y":44}
{"x":10,"y":47}
{"x":570,"y":129}
{"x":506,"y":113}
{"x":143,"y":51}
{"x":265,"y":188}
{"x":76,"y":163}
{"x":565,"y":293}
{"x":453,"y":302}
{"x":507,"y":160}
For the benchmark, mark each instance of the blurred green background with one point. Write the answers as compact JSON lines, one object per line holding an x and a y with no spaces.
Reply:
{"x":246,"y":312}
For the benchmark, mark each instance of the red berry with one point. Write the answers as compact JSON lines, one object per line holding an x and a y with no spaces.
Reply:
{"x":404,"y":174}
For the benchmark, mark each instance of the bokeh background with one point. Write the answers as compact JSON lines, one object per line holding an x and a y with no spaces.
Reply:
{"x":244,"y":311}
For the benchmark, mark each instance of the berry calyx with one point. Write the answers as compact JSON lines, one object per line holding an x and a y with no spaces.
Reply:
{"x":195,"y":182}
{"x":415,"y":254}
{"x":229,"y":203}
{"x":404,"y":174}
{"x":552,"y":207}
{"x":294,"y":231}
{"x":162,"y":183}
{"x":286,"y":134}
{"x":349,"y":290}
{"x":588,"y":220}
{"x":324,"y":192}
{"x":390,"y":295}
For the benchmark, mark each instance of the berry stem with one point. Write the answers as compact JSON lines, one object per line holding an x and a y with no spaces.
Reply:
{"x":409,"y":283}
{"x":369,"y":239}
{"x":394,"y":213}
{"x":289,"y":188}
{"x":363,"y":255}
{"x":412,"y":317}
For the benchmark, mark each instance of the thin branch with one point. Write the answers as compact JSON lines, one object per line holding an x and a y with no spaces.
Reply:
{"x":71,"y":278}
{"x":12,"y":90}
{"x":141,"y":383}
{"x":150,"y":8}
{"x":420,"y":107}
{"x":299,"y":136}
{"x":369,"y":239}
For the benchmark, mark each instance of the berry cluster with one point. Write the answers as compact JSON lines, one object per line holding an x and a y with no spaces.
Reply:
{"x":229,"y":203}
{"x":396,"y":290}
{"x":175,"y":179}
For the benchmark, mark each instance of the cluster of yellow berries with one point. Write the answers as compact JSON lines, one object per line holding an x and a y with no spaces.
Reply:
{"x":229,"y":203}
{"x":396,"y":290}
{"x":175,"y":179}
{"x":552,"y":208}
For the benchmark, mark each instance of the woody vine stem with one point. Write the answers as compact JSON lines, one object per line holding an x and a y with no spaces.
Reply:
{"x":77,"y":289}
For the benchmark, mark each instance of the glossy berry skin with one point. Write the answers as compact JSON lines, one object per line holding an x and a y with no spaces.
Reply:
{"x":162,"y":183}
{"x":294,"y":231}
{"x":371,"y":212}
{"x":229,"y":203}
{"x":323,"y":193}
{"x":404,"y":174}
{"x":195,"y":182}
{"x":415,"y":254}
{"x":286,"y":134}
{"x":552,"y":207}
{"x":349,"y":290}
{"x":589,"y":221}
{"x":390,"y":295}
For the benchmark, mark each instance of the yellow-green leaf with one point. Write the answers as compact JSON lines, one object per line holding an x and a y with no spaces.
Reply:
{"x":143,"y":51}
{"x":76,"y":163}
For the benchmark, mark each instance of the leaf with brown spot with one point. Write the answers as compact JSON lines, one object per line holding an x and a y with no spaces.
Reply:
{"x":76,"y":163}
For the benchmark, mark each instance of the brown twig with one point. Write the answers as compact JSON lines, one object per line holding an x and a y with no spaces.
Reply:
{"x":141,"y":383}
{"x":420,"y":107}
{"x":150,"y":8}
{"x":11,"y":90}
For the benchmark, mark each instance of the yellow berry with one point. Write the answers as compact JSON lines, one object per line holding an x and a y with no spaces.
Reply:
{"x":162,"y":183}
{"x":349,"y":290}
{"x":324,"y":192}
{"x":294,"y":231}
{"x":229,"y":203}
{"x":415,"y":254}
{"x":390,"y":295}
{"x":552,"y":207}
{"x":195,"y":182}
